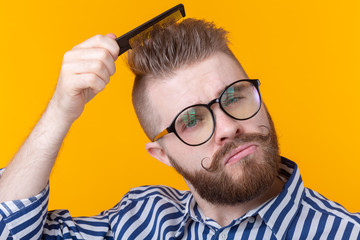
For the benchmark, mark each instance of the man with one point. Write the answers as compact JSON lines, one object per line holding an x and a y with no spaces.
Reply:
{"x":204,"y":117}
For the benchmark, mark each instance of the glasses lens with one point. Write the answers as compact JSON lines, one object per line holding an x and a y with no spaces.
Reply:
{"x":241,"y":100}
{"x":194,"y":125}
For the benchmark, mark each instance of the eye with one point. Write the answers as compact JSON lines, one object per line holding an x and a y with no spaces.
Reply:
{"x":190,"y":120}
{"x":191,"y":123}
{"x":234,"y":95}
{"x":232,"y":100}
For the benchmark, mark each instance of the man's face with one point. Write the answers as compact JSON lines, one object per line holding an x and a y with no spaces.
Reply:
{"x":242,"y":155}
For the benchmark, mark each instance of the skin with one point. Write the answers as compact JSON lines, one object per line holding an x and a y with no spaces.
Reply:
{"x":85,"y":71}
{"x":217,"y":72}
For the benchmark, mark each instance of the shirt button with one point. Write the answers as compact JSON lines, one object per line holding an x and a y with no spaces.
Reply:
{"x":222,"y":236}
{"x":251,"y":220}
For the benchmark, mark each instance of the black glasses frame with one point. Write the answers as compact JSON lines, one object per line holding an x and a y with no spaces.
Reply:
{"x":171,"y":128}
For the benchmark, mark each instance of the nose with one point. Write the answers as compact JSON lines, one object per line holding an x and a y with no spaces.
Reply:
{"x":227,"y":128}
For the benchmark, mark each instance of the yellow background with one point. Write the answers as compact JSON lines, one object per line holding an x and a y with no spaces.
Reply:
{"x":306,"y":54}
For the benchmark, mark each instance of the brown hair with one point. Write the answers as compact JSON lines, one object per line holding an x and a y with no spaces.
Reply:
{"x":162,"y":51}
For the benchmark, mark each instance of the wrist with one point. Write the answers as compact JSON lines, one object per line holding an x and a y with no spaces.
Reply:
{"x":55,"y":120}
{"x":59,"y":114}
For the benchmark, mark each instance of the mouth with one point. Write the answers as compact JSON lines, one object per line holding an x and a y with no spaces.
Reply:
{"x":240,"y":152}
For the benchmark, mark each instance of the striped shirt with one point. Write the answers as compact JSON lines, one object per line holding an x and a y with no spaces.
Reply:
{"x":160,"y":212}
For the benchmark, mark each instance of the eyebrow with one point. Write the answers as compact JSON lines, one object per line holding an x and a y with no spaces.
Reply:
{"x":237,"y":88}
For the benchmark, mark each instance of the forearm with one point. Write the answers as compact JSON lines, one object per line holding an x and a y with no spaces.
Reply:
{"x":85,"y":71}
{"x":28,"y":172}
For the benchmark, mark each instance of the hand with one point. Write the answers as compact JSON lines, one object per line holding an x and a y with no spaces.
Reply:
{"x":85,"y":71}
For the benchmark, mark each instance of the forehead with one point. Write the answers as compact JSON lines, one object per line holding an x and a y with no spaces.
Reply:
{"x":197,"y":83}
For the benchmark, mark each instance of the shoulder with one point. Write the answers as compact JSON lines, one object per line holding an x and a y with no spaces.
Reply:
{"x":158,"y":193}
{"x":325,"y":207}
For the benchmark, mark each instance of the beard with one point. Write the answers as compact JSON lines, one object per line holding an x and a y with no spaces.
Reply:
{"x":257,"y":173}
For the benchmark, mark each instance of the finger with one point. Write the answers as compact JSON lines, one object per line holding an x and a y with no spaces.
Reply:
{"x":100,"y":41}
{"x":92,"y":54}
{"x":111,"y":35}
{"x":87,"y":66}
{"x":81,"y":82}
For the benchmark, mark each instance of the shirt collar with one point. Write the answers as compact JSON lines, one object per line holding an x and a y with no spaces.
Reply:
{"x":280,"y":211}
{"x":274,"y":211}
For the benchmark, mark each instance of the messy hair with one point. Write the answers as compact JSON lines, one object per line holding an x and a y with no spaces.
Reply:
{"x":162,"y":51}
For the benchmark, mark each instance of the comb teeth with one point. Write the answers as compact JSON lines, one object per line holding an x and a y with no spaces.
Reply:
{"x":176,"y":16}
{"x":173,"y":14}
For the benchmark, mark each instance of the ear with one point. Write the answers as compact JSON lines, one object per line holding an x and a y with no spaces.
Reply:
{"x":158,"y":152}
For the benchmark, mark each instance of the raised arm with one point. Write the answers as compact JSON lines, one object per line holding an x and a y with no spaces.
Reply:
{"x":86,"y":69}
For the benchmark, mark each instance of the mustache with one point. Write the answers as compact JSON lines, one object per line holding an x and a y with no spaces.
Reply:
{"x":239,"y":140}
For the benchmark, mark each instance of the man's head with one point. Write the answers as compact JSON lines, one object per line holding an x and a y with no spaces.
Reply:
{"x":190,"y":63}
{"x":165,"y":50}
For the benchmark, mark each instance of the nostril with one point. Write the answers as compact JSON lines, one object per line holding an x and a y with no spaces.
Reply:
{"x":238,"y":132}
{"x":231,"y":135}
{"x":223,"y":139}
{"x":226,"y":128}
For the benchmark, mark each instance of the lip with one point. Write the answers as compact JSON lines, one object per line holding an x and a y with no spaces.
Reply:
{"x":240,"y":152}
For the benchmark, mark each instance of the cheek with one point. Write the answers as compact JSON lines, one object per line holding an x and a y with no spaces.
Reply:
{"x":261,"y":118}
{"x":186,"y":156}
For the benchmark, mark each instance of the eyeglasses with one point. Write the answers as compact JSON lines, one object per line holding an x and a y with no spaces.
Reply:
{"x":195,"y":124}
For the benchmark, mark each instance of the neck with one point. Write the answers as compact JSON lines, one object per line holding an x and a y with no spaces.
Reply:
{"x":225,"y":214}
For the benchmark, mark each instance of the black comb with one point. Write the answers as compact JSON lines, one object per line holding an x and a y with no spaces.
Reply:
{"x":125,"y":41}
